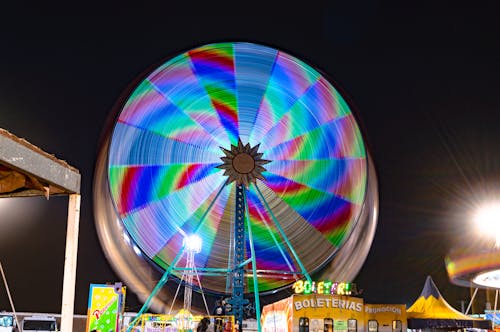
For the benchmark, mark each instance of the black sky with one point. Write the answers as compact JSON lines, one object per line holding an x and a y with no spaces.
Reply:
{"x":424,"y":79}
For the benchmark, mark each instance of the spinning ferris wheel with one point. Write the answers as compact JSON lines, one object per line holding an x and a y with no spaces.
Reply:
{"x":249,"y":148}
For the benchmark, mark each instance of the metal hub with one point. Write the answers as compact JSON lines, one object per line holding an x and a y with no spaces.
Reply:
{"x":243,"y":164}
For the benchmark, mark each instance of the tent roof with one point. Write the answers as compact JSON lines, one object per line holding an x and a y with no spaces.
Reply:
{"x":431,"y":305}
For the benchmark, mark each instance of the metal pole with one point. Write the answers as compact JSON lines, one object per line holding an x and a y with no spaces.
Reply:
{"x":495,"y":308}
{"x":188,"y":283}
{"x":229,"y":277}
{"x":155,"y":290}
{"x":69,"y":279}
{"x":176,"y":293}
{"x":254,"y":272}
{"x":202,"y":219}
{"x":10,"y":298}
{"x":237,"y":298}
{"x":471,"y":300}
{"x":201,"y":289}
{"x":282,"y":232}
{"x":278,"y":245}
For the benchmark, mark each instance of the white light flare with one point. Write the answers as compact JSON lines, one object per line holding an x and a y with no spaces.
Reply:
{"x":487,"y":219}
{"x":193,"y":243}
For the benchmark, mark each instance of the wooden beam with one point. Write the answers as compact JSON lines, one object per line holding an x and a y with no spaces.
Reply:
{"x":24,"y":157}
{"x":69,"y":279}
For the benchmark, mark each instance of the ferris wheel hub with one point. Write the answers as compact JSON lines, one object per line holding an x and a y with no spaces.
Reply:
{"x":243,"y":164}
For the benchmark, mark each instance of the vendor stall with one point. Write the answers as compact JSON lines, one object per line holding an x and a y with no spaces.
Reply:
{"x":326,"y":307}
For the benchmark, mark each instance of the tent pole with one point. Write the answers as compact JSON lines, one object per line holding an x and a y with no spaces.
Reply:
{"x":471,"y":300}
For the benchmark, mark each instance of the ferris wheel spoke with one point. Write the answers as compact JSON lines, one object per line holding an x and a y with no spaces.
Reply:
{"x":336,"y":139}
{"x":344,"y":178}
{"x":180,"y":86}
{"x":136,"y":146}
{"x":139,"y":186}
{"x":144,"y":223}
{"x":288,"y":82}
{"x":214,"y":230}
{"x":329,"y":214}
{"x":215,"y":71}
{"x":296,"y":228}
{"x":205,"y":222}
{"x":221,"y":231}
{"x":319,"y":105}
{"x":271,"y":251}
{"x":253,"y":68}
{"x":150,"y":110}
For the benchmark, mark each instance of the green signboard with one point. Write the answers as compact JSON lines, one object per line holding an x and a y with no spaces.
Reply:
{"x":340,"y":325}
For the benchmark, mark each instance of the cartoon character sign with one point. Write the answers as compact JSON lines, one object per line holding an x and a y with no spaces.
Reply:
{"x":106,"y":304}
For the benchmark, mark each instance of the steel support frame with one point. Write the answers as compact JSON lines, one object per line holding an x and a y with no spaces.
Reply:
{"x":171,"y":267}
{"x":254,"y":273}
{"x":237,"y":300}
{"x":237,"y":270}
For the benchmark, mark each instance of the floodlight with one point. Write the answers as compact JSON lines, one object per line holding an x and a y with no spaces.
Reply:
{"x":487,"y":219}
{"x":193,"y":243}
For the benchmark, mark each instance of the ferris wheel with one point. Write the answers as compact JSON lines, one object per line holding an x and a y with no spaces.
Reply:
{"x":251,"y":149}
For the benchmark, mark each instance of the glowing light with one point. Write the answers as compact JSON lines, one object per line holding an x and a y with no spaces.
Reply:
{"x":488,"y":279}
{"x":136,"y":250}
{"x":193,"y":243}
{"x":322,"y":287}
{"x":487,"y":219}
{"x":127,"y":239}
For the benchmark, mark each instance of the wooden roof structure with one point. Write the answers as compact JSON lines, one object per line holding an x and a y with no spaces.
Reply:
{"x":26,"y":170}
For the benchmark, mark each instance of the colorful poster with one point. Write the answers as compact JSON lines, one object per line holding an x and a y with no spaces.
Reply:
{"x":339,"y":325}
{"x":494,"y":316}
{"x":106,"y":304}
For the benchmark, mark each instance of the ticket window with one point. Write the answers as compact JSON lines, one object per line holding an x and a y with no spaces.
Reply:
{"x":372,"y":326}
{"x":328,"y":325}
{"x":303,"y":324}
{"x":397,"y":326}
{"x":352,"y":325}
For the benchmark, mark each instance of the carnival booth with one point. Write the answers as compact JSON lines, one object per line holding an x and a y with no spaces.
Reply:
{"x":431,"y":312}
{"x":326,"y":307}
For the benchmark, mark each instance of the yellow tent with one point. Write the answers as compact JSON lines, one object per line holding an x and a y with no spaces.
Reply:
{"x":431,"y":310}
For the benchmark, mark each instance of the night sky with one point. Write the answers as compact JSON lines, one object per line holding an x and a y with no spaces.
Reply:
{"x":423,"y":80}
